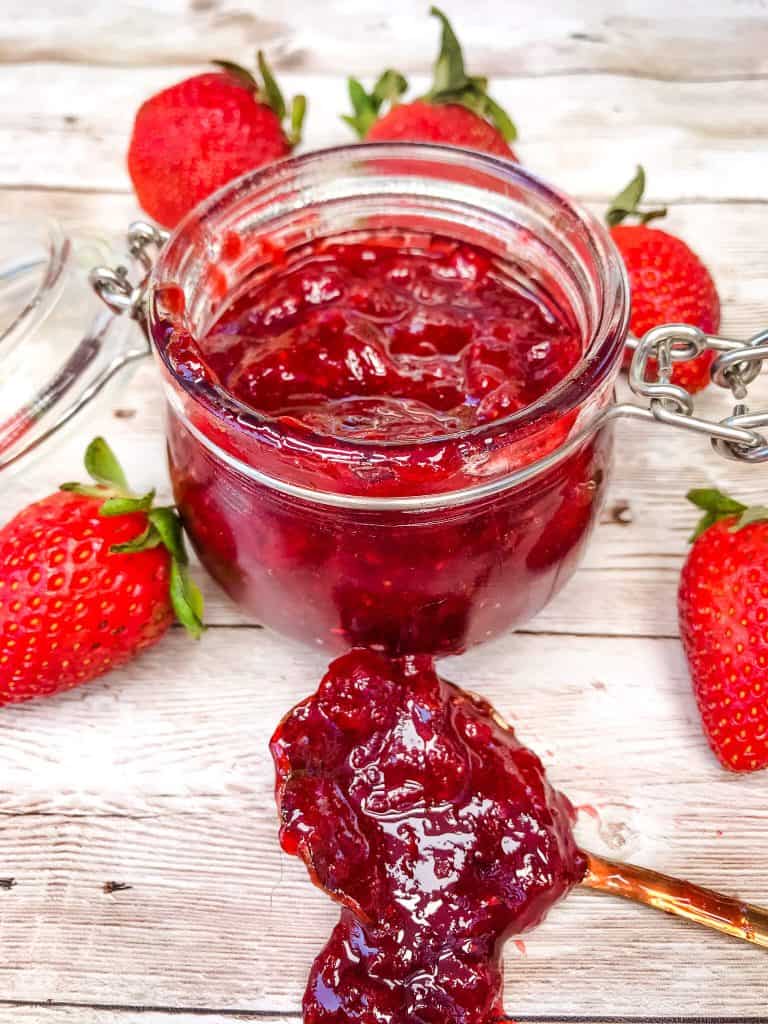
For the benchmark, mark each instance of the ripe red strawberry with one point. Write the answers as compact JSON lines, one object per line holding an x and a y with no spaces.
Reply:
{"x":456,"y":111}
{"x":723,"y":605}
{"x":668,"y":282}
{"x":196,"y":136}
{"x":89,"y":577}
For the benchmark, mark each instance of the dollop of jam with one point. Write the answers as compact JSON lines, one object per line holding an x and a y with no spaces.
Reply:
{"x":414,"y":805}
{"x":390,"y":339}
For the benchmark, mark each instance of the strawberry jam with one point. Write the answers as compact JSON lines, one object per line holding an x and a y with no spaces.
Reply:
{"x":375,"y":368}
{"x":380,"y":342}
{"x":415,"y":807}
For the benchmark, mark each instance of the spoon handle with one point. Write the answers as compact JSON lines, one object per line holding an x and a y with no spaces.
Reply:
{"x":683,"y":899}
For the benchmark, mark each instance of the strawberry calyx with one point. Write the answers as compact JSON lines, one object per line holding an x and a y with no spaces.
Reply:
{"x":627,"y":202}
{"x":452,"y":84}
{"x":269,"y":93}
{"x":716,"y":506}
{"x":163,"y":528}
{"x":366,"y":106}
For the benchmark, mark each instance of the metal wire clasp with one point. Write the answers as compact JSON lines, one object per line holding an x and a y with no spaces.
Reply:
{"x":113,"y":285}
{"x":738,"y":363}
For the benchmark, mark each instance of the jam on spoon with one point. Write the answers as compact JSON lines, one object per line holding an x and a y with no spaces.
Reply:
{"x":413,"y":804}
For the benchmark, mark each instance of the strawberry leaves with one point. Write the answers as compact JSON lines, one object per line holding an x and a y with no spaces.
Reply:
{"x":186,"y":599}
{"x":102,"y":465}
{"x":269,"y":93}
{"x":452,"y":84}
{"x":298,"y":113}
{"x":366,"y":107}
{"x":273,"y":97}
{"x":627,"y":202}
{"x":124,"y":505}
{"x":243,"y":75}
{"x":716,"y":505}
{"x":163,"y":528}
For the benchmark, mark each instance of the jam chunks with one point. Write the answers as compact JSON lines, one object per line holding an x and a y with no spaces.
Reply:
{"x":413,"y":804}
{"x":390,"y":339}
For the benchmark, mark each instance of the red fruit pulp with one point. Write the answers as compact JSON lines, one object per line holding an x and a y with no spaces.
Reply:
{"x":376,"y":364}
{"x":414,"y":806}
{"x":378,"y":342}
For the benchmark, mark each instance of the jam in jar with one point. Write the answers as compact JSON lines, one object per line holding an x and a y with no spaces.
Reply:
{"x":385,"y":368}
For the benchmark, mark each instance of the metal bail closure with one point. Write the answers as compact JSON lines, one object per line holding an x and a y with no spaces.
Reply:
{"x":54,"y":387}
{"x":112,"y":285}
{"x":738,"y":363}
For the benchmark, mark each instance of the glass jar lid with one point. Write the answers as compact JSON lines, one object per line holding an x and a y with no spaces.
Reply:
{"x":58,"y":346}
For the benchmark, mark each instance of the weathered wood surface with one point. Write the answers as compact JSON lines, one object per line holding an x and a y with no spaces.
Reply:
{"x":66,"y":125}
{"x":703,"y":40}
{"x":160,"y":780}
{"x":158,"y":777}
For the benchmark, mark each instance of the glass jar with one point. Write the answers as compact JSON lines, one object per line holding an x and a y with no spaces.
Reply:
{"x":58,"y":345}
{"x":428,"y":546}
{"x":410,"y":546}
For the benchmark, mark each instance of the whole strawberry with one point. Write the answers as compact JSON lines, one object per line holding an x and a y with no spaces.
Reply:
{"x":456,"y":111}
{"x":723,"y":606}
{"x":89,"y":577}
{"x":668,"y":282}
{"x":194,"y":137}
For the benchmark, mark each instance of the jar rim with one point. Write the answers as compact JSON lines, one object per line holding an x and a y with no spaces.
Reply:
{"x":601,"y":349}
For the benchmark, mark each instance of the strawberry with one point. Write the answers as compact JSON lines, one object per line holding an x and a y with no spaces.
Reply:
{"x":723,"y":606}
{"x":196,"y":136}
{"x":668,"y":282}
{"x":89,"y":577}
{"x":456,"y":111}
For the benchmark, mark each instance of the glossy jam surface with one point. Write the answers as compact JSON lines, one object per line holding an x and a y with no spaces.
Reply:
{"x":390,"y":340}
{"x":347,"y":349}
{"x":416,"y":807}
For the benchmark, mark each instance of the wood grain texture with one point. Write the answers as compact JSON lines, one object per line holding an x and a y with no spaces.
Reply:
{"x":156,"y":782}
{"x":24,"y":1013}
{"x":67,"y":126}
{"x":160,"y":781}
{"x":714,"y":39}
{"x":20,"y":1013}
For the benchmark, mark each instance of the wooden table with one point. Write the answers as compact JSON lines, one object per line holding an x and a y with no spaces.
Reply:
{"x":158,"y":778}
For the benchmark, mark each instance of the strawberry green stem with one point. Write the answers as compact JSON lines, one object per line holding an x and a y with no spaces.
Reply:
{"x":269,"y":93}
{"x":366,"y":106}
{"x":163,"y":528}
{"x":451,"y":84}
{"x":716,"y":506}
{"x":626,"y":203}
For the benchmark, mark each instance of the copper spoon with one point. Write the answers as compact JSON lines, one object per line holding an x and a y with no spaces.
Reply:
{"x":683,"y":899}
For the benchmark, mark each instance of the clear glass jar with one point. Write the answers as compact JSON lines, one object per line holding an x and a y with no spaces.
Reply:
{"x":58,"y":345}
{"x":428,"y":546}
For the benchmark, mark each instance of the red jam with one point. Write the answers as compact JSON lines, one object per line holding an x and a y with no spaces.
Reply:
{"x":416,"y":808}
{"x":383,"y":369}
{"x":376,"y":341}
